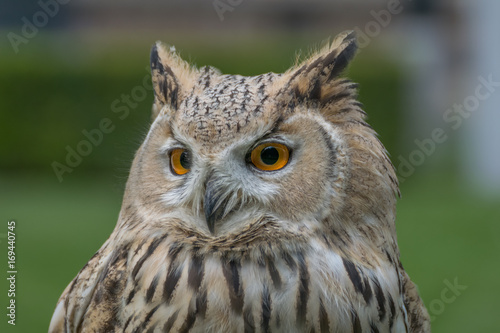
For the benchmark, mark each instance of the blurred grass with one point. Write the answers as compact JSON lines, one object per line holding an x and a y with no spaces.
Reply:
{"x":443,"y":235}
{"x":59,"y":226}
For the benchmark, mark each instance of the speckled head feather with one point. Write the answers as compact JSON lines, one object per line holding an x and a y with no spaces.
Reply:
{"x":255,"y":204}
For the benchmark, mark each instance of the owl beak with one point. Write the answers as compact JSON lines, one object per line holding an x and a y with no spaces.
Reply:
{"x":212,"y":204}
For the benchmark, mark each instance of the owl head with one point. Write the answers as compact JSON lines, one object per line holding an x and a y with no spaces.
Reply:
{"x":286,"y":154}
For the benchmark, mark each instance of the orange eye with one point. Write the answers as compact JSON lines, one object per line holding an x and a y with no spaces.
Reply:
{"x":270,"y":156}
{"x":180,"y":161}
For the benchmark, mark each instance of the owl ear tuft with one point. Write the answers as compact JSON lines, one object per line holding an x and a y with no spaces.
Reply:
{"x":308,"y":78}
{"x":170,"y":75}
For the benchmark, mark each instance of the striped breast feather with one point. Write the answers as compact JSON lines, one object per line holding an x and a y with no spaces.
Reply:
{"x":173,"y":287}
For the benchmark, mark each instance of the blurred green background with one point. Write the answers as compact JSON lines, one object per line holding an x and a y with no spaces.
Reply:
{"x":66,"y":78}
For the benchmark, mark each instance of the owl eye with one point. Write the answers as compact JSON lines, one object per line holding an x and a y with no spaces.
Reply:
{"x":270,"y":156}
{"x":180,"y":161}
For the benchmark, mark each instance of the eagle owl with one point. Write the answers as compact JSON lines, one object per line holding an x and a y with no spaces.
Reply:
{"x":254,"y":204}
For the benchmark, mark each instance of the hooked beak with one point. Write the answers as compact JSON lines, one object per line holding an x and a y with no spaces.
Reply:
{"x":213,"y":206}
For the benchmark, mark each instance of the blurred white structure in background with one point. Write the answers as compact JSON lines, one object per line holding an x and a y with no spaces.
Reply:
{"x":481,"y":135}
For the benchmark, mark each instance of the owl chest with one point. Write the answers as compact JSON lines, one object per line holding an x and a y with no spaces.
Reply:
{"x":298,"y":292}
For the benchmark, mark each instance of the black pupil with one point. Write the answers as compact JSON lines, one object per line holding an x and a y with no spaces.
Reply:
{"x":269,"y":155}
{"x":184,"y":159}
